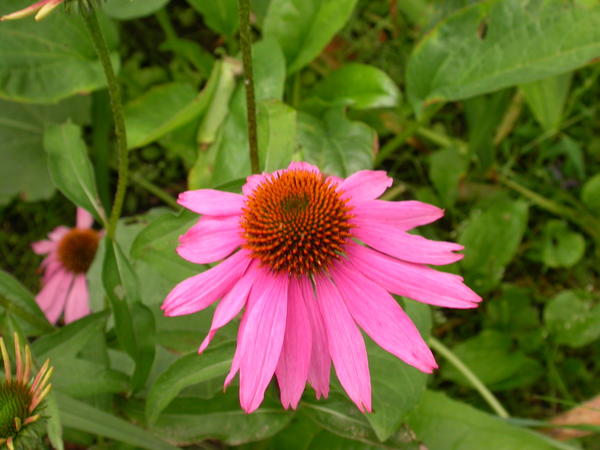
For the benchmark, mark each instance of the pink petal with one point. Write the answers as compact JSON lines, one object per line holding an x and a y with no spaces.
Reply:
{"x":365,"y":185}
{"x":263,"y":338}
{"x":197,"y":292}
{"x":53,"y":295}
{"x":43,"y":247}
{"x":26,"y":11}
{"x":301,"y":165}
{"x":404,"y":215}
{"x":252,"y":182}
{"x":212,"y":202}
{"x":320,"y":360}
{"x":414,"y":281}
{"x":346,"y":345}
{"x":231,"y":305}
{"x":382,"y":318}
{"x":292,"y":369}
{"x":58,"y":233}
{"x":211,"y":239}
{"x":408,"y":247}
{"x":84,"y":219}
{"x":77,"y":304}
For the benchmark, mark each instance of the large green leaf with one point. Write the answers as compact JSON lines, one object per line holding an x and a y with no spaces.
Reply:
{"x":49,"y":60}
{"x":70,"y":167}
{"x":304,"y":27}
{"x":186,"y":371}
{"x":444,"y":424}
{"x":524,"y":42}
{"x":336,"y":144}
{"x":276,"y":134}
{"x":220,"y":15}
{"x":132,"y":9}
{"x":23,"y":162}
{"x":81,"y":416}
{"x":81,"y":378}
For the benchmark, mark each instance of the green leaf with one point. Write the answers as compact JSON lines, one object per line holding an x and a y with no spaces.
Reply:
{"x":50,"y":60}
{"x":81,"y":378}
{"x":132,"y":9}
{"x":359,"y":86}
{"x":144,"y":328}
{"x":23,"y":162}
{"x":524,"y":42}
{"x":491,"y":239}
{"x":186,"y":371}
{"x":590,"y":193}
{"x":70,"y":167}
{"x":221,"y":16}
{"x":446,"y":168}
{"x":491,"y":356}
{"x":163,"y":109}
{"x":16,"y":298}
{"x":276,"y":134}
{"x":573,"y":318}
{"x":335,"y":144}
{"x":304,"y":27}
{"x":81,"y":416}
{"x":546,"y":99}
{"x":53,"y":424}
{"x":442,"y":423}
{"x":561,"y":247}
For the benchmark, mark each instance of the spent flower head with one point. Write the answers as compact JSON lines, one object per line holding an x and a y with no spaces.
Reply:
{"x":312,"y":260}
{"x":21,"y":398}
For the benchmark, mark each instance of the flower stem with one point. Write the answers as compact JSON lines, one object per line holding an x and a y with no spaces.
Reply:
{"x":470,"y":376}
{"x":246,"y":48}
{"x":114,"y":92}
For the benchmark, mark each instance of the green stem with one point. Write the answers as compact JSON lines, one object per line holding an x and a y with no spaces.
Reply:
{"x":117,"y":109}
{"x":491,"y":400}
{"x":246,"y":48}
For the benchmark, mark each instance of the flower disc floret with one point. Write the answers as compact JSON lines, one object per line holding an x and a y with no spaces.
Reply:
{"x":76,"y":250}
{"x":296,"y":222}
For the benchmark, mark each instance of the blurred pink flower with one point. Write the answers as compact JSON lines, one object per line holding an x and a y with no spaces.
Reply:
{"x":319,"y":258}
{"x":43,"y":8}
{"x":70,"y":253}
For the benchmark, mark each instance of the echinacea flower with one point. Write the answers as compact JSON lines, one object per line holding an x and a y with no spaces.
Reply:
{"x":21,"y":398}
{"x":42,"y":8}
{"x":70,"y":253}
{"x":313,"y":259}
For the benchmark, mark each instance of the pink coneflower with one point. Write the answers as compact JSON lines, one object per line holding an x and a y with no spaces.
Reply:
{"x":70,"y":253}
{"x":42,"y":8}
{"x":312,"y":259}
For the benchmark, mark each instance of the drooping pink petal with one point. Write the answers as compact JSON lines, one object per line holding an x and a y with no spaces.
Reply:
{"x":211,"y":239}
{"x":53,"y":295}
{"x":320,"y":360}
{"x":197,"y":292}
{"x":365,"y":185}
{"x":212,"y":202}
{"x":84,"y":219}
{"x":43,"y":247}
{"x":414,"y":281}
{"x":77,"y":303}
{"x":237,"y":357}
{"x":346,"y":344}
{"x":382,"y":318}
{"x":403,"y":215}
{"x":231,"y":305}
{"x":58,"y":233}
{"x":408,"y":247}
{"x":292,"y":369}
{"x":263,"y":339}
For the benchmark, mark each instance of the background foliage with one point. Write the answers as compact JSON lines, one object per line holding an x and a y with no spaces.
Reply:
{"x":488,"y":109}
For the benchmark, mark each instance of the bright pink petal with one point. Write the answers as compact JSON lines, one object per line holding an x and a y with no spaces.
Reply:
{"x":58,"y":233}
{"x":263,"y":338}
{"x":292,"y":369}
{"x":301,"y":165}
{"x":212,"y":202}
{"x":414,"y":281}
{"x":346,"y":345}
{"x":408,"y":247}
{"x":320,"y":360}
{"x":197,"y":292}
{"x":404,"y":215}
{"x":365,"y":185}
{"x":53,"y":295}
{"x":252,"y":182}
{"x":231,"y":305}
{"x":84,"y":219}
{"x":43,"y":247}
{"x":77,"y":304}
{"x":382,"y":318}
{"x":211,"y":239}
